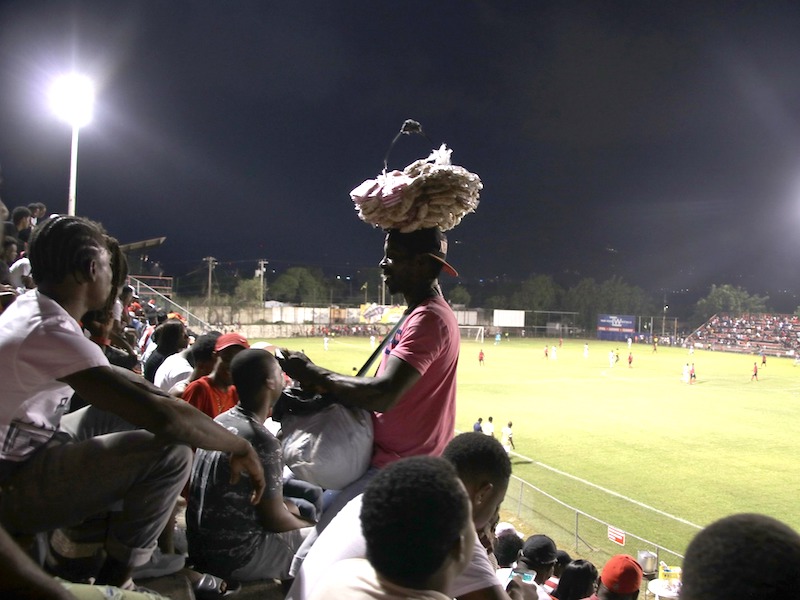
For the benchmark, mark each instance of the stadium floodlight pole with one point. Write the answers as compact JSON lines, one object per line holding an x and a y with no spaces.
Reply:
{"x":72,"y":100}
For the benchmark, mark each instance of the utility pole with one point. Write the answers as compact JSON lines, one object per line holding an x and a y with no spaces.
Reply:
{"x":262,"y":271}
{"x":211,"y":263}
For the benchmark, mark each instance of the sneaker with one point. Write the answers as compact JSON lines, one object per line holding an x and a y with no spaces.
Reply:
{"x":159,"y":565}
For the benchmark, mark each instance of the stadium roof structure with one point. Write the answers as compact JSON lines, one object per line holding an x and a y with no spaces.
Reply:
{"x":142,"y":245}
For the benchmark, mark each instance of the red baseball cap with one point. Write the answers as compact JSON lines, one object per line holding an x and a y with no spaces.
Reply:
{"x":622,"y":574}
{"x":230,"y":339}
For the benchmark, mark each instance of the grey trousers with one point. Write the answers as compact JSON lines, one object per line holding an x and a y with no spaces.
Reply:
{"x":131,"y":473}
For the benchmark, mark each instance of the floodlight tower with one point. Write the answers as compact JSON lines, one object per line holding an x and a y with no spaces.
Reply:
{"x":72,"y":100}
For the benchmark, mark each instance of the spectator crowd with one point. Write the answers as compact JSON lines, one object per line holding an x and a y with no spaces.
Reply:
{"x":777,"y":335}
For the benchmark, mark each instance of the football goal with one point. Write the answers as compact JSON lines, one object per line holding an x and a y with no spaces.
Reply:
{"x":472,"y":333}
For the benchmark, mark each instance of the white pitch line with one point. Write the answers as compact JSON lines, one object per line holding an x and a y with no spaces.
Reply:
{"x":607,"y":491}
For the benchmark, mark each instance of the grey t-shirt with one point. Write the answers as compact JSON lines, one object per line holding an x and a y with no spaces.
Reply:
{"x":222,"y":526}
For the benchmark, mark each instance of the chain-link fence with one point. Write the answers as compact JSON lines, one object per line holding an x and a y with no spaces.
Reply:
{"x":577,"y":532}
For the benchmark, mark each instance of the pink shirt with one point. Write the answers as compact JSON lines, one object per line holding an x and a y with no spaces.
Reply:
{"x":423,"y":421}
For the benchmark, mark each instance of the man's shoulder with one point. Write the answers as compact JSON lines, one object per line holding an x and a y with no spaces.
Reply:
{"x":434,"y":309}
{"x":203,"y":384}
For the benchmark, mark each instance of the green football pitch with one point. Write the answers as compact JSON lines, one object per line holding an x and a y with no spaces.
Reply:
{"x":631,"y":446}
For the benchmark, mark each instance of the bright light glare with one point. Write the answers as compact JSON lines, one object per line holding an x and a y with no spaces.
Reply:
{"x":72,"y":99}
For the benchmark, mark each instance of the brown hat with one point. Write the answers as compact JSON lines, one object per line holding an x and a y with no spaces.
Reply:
{"x":430,"y":241}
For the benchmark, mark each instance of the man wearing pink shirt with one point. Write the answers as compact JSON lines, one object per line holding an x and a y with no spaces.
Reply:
{"x":413,"y":395}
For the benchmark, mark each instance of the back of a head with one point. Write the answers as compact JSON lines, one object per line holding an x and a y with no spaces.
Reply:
{"x":577,"y":581}
{"x":539,"y":552}
{"x":203,"y":347}
{"x":506,"y":549}
{"x":63,"y":246}
{"x":413,"y":513}
{"x":621,"y":577}
{"x":250,"y":369}
{"x":741,"y":557}
{"x":19,"y":213}
{"x":477,"y":456}
{"x":170,"y":335}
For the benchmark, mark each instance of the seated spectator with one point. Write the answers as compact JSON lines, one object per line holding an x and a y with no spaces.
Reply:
{"x":7,"y":258}
{"x":172,"y":338}
{"x":741,"y":557}
{"x":123,"y":322}
{"x":506,"y":550}
{"x":418,"y":531}
{"x":620,"y":580}
{"x":180,"y":369}
{"x":539,"y":554}
{"x":20,"y":274}
{"x":49,"y":479}
{"x":562,"y":560}
{"x":99,"y":323}
{"x":215,"y":393}
{"x":578,"y":580}
{"x":484,"y":468}
{"x":20,"y":220}
{"x":148,"y":342}
{"x":227,"y":535}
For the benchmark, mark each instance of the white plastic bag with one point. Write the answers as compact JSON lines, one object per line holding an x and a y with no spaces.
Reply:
{"x":330,"y":448}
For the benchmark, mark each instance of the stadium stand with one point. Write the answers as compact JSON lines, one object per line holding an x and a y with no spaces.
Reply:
{"x":775,"y":335}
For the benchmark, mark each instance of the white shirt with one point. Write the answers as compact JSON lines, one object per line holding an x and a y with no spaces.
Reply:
{"x":21,"y":268}
{"x":40,"y":343}
{"x":173,"y":370}
{"x":355,"y":579}
{"x":342,"y":539}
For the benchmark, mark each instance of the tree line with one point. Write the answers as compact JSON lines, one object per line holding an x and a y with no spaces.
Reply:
{"x":587,"y":297}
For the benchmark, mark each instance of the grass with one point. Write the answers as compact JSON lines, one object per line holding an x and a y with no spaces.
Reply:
{"x":698,"y":452}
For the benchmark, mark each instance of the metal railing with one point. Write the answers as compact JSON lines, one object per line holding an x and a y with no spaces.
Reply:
{"x":571,"y":528}
{"x":144,"y":291}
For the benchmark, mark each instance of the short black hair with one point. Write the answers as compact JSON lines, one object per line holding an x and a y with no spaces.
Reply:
{"x":412,"y":514}
{"x":250,"y":369}
{"x":19,"y":213}
{"x":478,"y":458}
{"x":740,"y":557}
{"x":203,"y":347}
{"x":577,"y":581}
{"x":170,"y":334}
{"x":506,"y":549}
{"x":61,"y":247}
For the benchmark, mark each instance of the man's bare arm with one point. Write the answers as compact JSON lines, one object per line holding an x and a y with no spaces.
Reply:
{"x":274,"y":515}
{"x":378,"y":394}
{"x":139,"y":402}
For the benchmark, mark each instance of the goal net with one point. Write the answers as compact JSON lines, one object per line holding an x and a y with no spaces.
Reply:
{"x":472,"y":333}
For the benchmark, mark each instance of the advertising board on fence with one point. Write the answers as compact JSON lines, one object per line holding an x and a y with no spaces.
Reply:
{"x":615,"y":327}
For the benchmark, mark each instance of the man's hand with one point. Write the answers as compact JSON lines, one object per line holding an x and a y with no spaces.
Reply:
{"x":250,"y":464}
{"x":297,"y":366}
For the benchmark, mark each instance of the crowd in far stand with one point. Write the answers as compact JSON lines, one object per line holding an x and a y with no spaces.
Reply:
{"x":778,"y":335}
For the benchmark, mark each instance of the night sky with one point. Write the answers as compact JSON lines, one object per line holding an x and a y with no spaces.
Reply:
{"x":658,"y":141}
